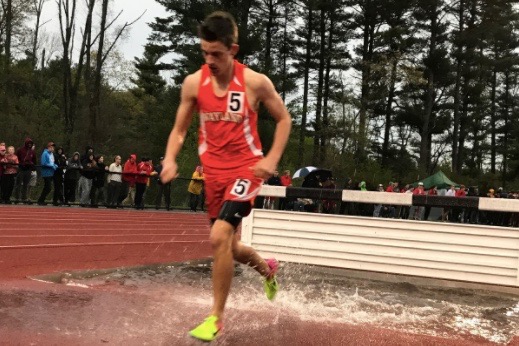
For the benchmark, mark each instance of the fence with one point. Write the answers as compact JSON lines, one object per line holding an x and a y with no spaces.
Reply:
{"x":471,"y":253}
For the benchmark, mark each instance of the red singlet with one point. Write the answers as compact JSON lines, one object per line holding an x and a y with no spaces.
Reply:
{"x":228,"y":142}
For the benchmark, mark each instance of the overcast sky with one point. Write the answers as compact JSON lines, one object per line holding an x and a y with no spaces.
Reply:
{"x":133,"y":44}
{"x":139,"y":32}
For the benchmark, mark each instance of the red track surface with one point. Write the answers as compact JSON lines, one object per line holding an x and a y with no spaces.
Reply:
{"x":45,"y":240}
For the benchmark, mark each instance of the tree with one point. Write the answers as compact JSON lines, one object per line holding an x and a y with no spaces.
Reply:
{"x":367,"y":18}
{"x":429,"y":14}
{"x":397,"y":41}
{"x":72,"y":74}
{"x":149,"y":81}
{"x":101,"y":56}
{"x":307,"y":32}
{"x":499,"y":20}
{"x":38,"y":9}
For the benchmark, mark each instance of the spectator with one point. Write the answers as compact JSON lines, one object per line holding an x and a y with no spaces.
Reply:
{"x":87,"y":175}
{"x":405,"y":210}
{"x":48,"y":167}
{"x":491,"y":216}
{"x":461,"y":192}
{"x":457,"y":212}
{"x":447,"y":212}
{"x":451,"y":192}
{"x":407,"y":189}
{"x":418,"y":211}
{"x":286,"y":180}
{"x":61,"y":161}
{"x":313,"y":181}
{"x":328,"y":206}
{"x":145,"y":170}
{"x":88,"y":151}
{"x":378,"y":207}
{"x":114,"y":183}
{"x":274,"y":180}
{"x":433,"y":191}
{"x":72,"y":174}
{"x":384,"y":210}
{"x":34,"y":180}
{"x":472,"y":214}
{"x":348,"y":208}
{"x":501,"y":193}
{"x":3,"y":153}
{"x":364,"y":209}
{"x":502,"y":218}
{"x":98,"y":183}
{"x":129,"y":176}
{"x":398,"y":209}
{"x":162,"y":189}
{"x":27,"y":164}
{"x":195,"y":187}
{"x":9,"y":173}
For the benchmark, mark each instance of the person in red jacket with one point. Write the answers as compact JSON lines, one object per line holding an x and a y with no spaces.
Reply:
{"x":457,"y":212}
{"x":419,"y":211}
{"x":145,"y":170}
{"x":462,"y":192}
{"x":27,"y":164}
{"x":3,"y":152}
{"x":286,"y":180}
{"x":129,"y":175}
{"x":10,"y":168}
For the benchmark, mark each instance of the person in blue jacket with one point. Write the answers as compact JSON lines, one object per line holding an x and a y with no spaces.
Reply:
{"x":47,"y":171}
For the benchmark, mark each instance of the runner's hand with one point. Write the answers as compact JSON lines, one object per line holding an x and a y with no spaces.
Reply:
{"x":169,"y":171}
{"x":263,"y":169}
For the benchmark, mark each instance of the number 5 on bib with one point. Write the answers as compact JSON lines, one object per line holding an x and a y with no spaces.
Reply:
{"x":235,"y":102}
{"x":241,"y":187}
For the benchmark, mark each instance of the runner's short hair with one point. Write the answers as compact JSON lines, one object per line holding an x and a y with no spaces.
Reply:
{"x":219,"y":26}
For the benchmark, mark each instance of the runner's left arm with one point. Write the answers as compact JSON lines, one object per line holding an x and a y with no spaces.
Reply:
{"x":268,"y":95}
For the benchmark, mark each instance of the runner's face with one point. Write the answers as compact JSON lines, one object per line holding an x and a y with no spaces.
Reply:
{"x":218,"y":57}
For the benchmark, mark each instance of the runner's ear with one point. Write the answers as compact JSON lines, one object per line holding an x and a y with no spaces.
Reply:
{"x":234,"y":49}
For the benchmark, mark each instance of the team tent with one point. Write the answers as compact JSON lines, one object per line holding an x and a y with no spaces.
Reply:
{"x":439,"y":179}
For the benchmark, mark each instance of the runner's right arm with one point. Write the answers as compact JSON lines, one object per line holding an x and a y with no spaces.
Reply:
{"x":182,"y":121}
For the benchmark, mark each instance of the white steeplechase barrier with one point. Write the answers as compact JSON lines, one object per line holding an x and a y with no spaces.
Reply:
{"x":452,"y":251}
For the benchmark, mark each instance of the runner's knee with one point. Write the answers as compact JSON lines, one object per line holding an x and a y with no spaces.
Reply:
{"x":233,"y":212}
{"x":221,"y":238}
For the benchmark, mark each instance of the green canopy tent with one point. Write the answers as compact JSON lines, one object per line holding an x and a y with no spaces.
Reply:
{"x":439,"y":179}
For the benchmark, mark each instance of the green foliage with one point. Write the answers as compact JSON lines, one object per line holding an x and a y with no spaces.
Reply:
{"x":402,"y":88}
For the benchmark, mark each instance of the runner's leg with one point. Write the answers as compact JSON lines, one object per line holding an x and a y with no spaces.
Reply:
{"x":247,"y":255}
{"x":222,"y":235}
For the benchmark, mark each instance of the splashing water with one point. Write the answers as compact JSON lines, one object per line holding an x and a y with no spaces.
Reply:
{"x":312,"y":295}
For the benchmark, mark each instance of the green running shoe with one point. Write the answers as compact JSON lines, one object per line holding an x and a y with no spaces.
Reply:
{"x":271,"y":284}
{"x":207,"y":330}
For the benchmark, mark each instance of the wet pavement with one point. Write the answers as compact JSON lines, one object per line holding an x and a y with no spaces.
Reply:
{"x":156,"y":305}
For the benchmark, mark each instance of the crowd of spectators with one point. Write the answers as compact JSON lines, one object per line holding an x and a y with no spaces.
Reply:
{"x":450,"y":214}
{"x":84,"y":179}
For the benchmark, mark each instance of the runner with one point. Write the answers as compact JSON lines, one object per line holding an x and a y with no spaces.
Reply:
{"x":226,"y":95}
